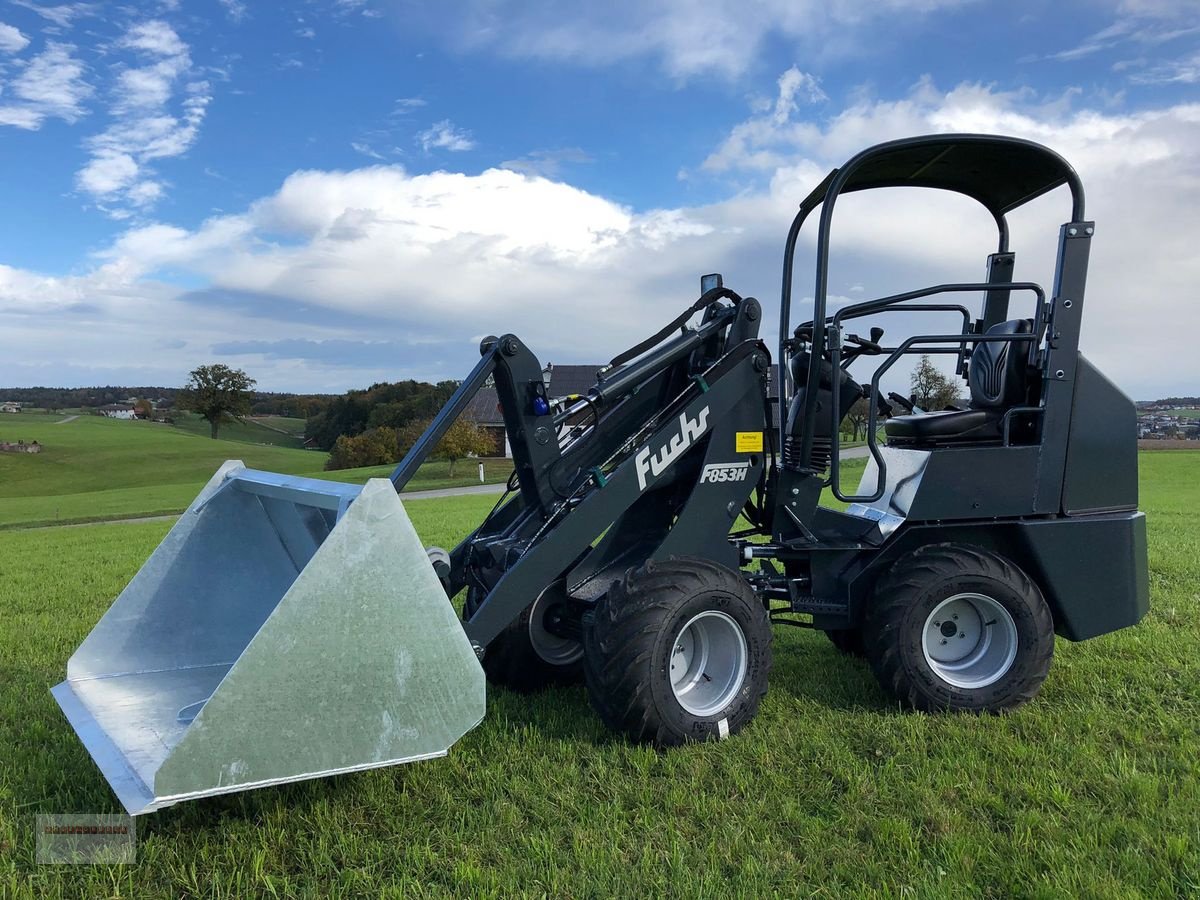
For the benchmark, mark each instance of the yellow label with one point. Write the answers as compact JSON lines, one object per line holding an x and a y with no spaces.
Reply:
{"x":748,"y":442}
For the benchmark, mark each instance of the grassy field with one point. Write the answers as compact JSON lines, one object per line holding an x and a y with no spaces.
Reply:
{"x":1093,"y":790}
{"x":95,"y":468}
{"x":271,"y":430}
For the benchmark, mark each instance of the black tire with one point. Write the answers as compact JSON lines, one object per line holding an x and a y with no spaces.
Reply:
{"x":931,"y":579}
{"x":631,"y":638}
{"x":513,"y":661}
{"x":847,"y":640}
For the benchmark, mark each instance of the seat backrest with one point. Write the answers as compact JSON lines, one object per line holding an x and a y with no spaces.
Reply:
{"x":997,"y":371}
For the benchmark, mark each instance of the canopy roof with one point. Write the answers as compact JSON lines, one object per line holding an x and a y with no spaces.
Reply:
{"x":1002,"y":173}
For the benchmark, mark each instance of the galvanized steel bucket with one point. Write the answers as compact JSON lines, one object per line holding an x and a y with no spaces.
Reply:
{"x":286,"y":628}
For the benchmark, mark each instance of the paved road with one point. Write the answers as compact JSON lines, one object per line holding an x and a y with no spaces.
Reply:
{"x":453,"y":492}
{"x":65,"y":421}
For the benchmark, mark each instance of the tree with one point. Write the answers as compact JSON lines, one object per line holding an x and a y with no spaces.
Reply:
{"x":143,"y":408}
{"x":857,"y":416}
{"x":218,"y":393}
{"x":411,"y":433}
{"x":463,"y":438}
{"x":376,"y":447}
{"x":931,"y":390}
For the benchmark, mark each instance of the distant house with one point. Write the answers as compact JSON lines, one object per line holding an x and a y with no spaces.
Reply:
{"x":484,"y":408}
{"x":117,"y":411}
{"x":10,"y":406}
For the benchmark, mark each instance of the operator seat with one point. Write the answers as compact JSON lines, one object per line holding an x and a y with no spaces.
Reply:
{"x":997,"y":378}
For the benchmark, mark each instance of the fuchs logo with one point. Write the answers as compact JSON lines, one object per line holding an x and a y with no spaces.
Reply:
{"x":676,"y":446}
{"x":725,"y":472}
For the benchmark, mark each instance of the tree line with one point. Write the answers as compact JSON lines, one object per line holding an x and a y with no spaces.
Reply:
{"x":378,"y":425}
{"x":371,"y":427}
{"x":262,"y":403}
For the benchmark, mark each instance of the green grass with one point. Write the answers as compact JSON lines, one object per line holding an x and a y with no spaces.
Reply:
{"x":1092,"y":790}
{"x":96,"y":453}
{"x":282,"y":433}
{"x":95,"y":468}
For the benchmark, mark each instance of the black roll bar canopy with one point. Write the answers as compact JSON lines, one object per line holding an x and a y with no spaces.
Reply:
{"x":1001,"y":173}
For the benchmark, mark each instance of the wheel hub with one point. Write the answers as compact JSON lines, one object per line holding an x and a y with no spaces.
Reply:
{"x":552,"y":648}
{"x":708,"y":665}
{"x":969,"y":640}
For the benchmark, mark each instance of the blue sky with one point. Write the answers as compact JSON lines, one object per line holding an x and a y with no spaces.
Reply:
{"x":336,"y":192}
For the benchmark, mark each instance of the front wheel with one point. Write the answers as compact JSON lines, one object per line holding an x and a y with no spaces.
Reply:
{"x":677,"y":651}
{"x":953,"y":627}
{"x":528,"y":656}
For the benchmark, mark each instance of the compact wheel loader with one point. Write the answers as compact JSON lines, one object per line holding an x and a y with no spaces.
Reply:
{"x":289,"y":628}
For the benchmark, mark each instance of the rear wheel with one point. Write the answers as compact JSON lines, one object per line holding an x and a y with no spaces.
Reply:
{"x":954,"y":627}
{"x":527,"y":655}
{"x":677,"y":651}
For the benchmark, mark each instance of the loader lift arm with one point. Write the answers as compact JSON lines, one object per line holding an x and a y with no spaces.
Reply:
{"x":519,"y":384}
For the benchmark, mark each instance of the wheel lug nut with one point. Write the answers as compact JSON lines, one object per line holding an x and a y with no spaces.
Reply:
{"x":935,"y":624}
{"x":943,"y":641}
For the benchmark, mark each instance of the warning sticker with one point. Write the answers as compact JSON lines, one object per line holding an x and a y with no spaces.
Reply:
{"x":748,"y":442}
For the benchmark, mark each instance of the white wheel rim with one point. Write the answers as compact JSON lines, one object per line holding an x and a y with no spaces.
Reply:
{"x":551,"y":648}
{"x":969,"y":640}
{"x":709,"y":661}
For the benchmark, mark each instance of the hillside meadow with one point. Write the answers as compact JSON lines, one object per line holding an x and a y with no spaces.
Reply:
{"x":94,"y":468}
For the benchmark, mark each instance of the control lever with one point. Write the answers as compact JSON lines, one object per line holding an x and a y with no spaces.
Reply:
{"x":871,"y":346}
{"x":882,"y":407}
{"x":903,"y":402}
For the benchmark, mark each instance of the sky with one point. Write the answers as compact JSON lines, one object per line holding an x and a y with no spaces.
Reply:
{"x":332,"y":193}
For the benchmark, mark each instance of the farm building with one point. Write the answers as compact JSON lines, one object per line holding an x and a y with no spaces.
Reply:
{"x":10,"y":406}
{"x":117,"y":411}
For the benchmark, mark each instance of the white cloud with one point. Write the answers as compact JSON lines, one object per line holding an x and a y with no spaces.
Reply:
{"x":548,"y":163}
{"x":155,"y":37}
{"x":365,"y":149}
{"x":144,"y":127}
{"x":11,"y":39}
{"x":20,"y":117}
{"x":380,"y":254}
{"x":1185,"y":70}
{"x":235,"y":9}
{"x":756,"y":142}
{"x":405,"y":105}
{"x":50,"y":86}
{"x":62,"y":15}
{"x":1148,"y":28}
{"x":108,"y":172}
{"x":722,"y":38}
{"x":445,"y":135}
